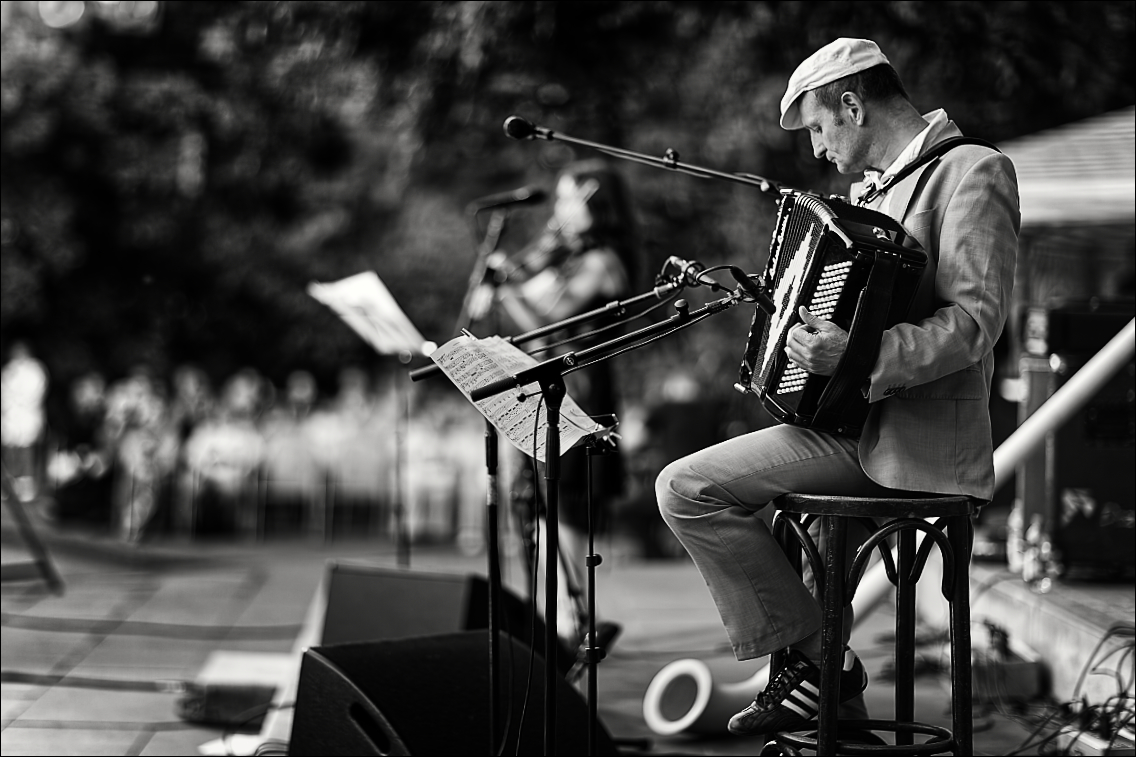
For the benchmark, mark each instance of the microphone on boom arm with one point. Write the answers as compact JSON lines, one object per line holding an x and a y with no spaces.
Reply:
{"x":521,"y":196}
{"x":752,"y":289}
{"x":688,"y":271}
{"x":518,"y":128}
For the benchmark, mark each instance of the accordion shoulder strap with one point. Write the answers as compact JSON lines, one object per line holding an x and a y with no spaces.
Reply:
{"x":937,"y":151}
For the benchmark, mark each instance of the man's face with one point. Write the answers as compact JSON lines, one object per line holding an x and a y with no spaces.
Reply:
{"x":834,"y":136}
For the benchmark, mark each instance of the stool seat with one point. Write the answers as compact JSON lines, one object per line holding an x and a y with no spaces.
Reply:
{"x":931,"y":506}
{"x":944,"y":522}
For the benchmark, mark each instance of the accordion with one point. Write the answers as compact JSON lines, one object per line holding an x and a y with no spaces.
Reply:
{"x":850,"y":265}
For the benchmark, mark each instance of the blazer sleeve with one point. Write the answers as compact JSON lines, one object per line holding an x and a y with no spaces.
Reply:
{"x":978,"y":243}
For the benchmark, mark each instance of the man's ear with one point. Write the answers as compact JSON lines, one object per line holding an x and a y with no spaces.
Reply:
{"x":853,"y":107}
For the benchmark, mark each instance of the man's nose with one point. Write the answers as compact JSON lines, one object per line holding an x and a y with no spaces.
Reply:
{"x":819,"y":150}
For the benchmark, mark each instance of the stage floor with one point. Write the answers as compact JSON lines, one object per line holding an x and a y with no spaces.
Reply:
{"x":95,"y":671}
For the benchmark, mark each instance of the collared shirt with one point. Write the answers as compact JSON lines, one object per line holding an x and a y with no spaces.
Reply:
{"x":935,"y":119}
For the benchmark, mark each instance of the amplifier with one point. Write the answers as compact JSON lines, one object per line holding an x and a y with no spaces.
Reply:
{"x":1089,"y":481}
{"x":1080,"y":486}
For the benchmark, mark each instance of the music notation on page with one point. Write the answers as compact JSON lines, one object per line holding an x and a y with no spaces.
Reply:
{"x":470,"y":362}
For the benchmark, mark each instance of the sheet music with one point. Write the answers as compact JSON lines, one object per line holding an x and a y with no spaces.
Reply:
{"x":470,"y":362}
{"x":368,"y":307}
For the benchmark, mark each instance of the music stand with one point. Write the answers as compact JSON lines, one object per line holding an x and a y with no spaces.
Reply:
{"x":368,"y":307}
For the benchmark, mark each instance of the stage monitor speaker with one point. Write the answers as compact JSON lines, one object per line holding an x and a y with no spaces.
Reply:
{"x":429,"y":696}
{"x":370,"y":603}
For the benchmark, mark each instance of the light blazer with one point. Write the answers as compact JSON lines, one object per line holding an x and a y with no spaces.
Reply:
{"x":928,"y":428}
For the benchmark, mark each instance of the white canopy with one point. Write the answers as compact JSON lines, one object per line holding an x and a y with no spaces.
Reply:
{"x":1077,"y":174}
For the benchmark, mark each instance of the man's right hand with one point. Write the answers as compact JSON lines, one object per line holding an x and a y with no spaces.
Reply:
{"x":815,"y":344}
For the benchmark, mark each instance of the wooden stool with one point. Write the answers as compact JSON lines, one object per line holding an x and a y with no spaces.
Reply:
{"x":947,"y":522}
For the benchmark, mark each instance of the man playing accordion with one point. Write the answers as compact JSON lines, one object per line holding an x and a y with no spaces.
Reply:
{"x":928,"y":426}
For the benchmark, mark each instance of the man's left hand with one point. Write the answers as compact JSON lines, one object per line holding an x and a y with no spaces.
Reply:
{"x":816,"y":345}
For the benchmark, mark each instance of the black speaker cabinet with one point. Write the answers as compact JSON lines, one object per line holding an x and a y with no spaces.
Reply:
{"x":369,"y":603}
{"x":1081,"y":484}
{"x":430,"y":696}
{"x":1090,"y":487}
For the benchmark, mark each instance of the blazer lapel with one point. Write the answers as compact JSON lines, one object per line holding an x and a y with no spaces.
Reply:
{"x":905,"y":190}
{"x":902,"y":192}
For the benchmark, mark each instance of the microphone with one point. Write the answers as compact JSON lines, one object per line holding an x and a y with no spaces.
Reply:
{"x":689,"y":270}
{"x":522,"y":196}
{"x":518,"y":128}
{"x":752,"y":290}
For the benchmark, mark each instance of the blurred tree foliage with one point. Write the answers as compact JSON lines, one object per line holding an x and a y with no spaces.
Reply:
{"x":169,"y":190}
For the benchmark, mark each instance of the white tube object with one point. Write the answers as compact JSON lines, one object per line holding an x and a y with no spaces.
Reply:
{"x":712,"y":704}
{"x":689,"y":696}
{"x":1066,"y":401}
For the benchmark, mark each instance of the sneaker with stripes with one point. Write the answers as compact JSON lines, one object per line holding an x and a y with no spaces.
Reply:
{"x":791,"y":699}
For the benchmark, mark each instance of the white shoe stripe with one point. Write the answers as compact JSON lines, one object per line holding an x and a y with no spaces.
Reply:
{"x":803,"y":700}
{"x":810,"y":688}
{"x":806,"y":715}
{"x":849,"y":659}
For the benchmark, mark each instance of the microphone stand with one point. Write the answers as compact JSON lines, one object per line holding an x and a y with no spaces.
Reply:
{"x":617,"y":309}
{"x":492,"y":489}
{"x":549,"y":376}
{"x":485,"y":248}
{"x":519,"y":128}
{"x":593,"y":650}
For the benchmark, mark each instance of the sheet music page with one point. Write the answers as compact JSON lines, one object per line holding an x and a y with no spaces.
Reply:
{"x":368,"y":307}
{"x":471,"y":362}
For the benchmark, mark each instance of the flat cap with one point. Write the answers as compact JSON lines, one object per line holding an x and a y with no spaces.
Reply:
{"x":835,"y":60}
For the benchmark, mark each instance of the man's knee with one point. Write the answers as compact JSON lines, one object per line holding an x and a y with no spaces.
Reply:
{"x":669,"y":489}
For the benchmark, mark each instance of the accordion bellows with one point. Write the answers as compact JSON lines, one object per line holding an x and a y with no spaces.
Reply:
{"x":853,"y":266}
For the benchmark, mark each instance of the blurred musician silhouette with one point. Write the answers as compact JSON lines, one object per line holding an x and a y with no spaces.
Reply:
{"x":582,"y":259}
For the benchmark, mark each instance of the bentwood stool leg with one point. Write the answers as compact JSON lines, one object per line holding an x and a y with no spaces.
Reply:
{"x":793,"y":551}
{"x":960,"y":533}
{"x":832,"y":632}
{"x":905,"y":636}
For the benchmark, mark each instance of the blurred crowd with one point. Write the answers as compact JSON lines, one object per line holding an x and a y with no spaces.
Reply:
{"x":145,"y":454}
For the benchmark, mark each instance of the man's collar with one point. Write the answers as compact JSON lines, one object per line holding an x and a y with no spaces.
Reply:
{"x":936,"y":122}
